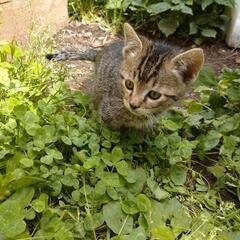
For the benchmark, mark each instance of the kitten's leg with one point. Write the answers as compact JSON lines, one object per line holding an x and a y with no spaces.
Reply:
{"x":112,"y":112}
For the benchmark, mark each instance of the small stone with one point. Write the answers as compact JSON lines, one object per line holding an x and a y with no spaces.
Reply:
{"x":237,"y":59}
{"x":88,"y":34}
{"x":221,"y":50}
{"x":97,"y":43}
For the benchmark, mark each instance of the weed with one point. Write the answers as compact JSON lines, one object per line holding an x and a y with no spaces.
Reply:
{"x":199,"y":19}
{"x":64,"y":176}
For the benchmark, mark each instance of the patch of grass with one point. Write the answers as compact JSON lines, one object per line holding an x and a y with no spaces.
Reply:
{"x":84,"y":10}
{"x":64,"y":176}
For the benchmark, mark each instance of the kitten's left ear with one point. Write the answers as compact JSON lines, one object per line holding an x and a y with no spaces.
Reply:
{"x":132,"y":43}
{"x":188,"y":64}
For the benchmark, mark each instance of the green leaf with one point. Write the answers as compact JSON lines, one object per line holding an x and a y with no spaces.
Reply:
{"x":181,"y":221}
{"x":12,"y":213}
{"x":20,"y":111}
{"x":40,"y":204}
{"x":56,"y":186}
{"x":168,"y":25}
{"x":136,"y":180}
{"x":30,"y":118}
{"x":94,"y":147}
{"x":47,"y":159}
{"x":183,"y":8}
{"x":122,"y":168}
{"x":76,"y":195}
{"x":116,"y":219}
{"x":193,"y":28}
{"x":143,"y":203}
{"x":112,"y":193}
{"x":69,"y":180}
{"x":171,"y":125}
{"x":11,"y":228}
{"x":3,"y":153}
{"x":227,"y":3}
{"x":54,"y":153}
{"x":129,"y":207}
{"x":226,"y":235}
{"x":211,"y":140}
{"x":91,"y":222}
{"x":4,"y":78}
{"x":137,"y":234}
{"x":186,"y":148}
{"x":100,"y":188}
{"x":91,"y":162}
{"x":161,"y":141}
{"x":209,"y":32}
{"x":112,"y":180}
{"x":106,"y":144}
{"x":23,"y":196}
{"x":86,"y":190}
{"x":230,"y":124}
{"x":30,"y":215}
{"x":157,"y":8}
{"x":116,"y":4}
{"x":229,"y":144}
{"x":140,"y":3}
{"x":178,"y":175}
{"x":26,"y":162}
{"x":117,"y":154}
{"x":206,"y":77}
{"x":163,"y":233}
{"x":158,"y":193}
{"x":217,"y":170}
{"x":206,"y":3}
{"x":66,"y":140}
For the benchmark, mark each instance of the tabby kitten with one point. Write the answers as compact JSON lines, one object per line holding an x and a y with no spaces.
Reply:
{"x":135,"y":80}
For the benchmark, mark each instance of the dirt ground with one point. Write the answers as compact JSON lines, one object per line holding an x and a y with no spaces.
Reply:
{"x":217,"y":53}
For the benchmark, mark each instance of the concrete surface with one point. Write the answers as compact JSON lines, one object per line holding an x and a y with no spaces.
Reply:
{"x":18,"y":16}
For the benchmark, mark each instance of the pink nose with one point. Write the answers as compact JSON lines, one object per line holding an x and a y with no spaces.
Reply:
{"x":134,"y":103}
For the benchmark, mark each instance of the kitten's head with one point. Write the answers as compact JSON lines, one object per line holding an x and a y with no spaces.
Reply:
{"x":155,"y":75}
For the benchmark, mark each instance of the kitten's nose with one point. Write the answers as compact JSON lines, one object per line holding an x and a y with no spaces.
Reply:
{"x":134,"y":103}
{"x":133,"y":106}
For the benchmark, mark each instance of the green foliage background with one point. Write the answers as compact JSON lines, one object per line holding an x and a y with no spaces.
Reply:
{"x":64,"y":176}
{"x":199,"y":19}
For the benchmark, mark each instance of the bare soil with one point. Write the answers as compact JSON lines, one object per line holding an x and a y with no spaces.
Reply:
{"x":217,"y":53}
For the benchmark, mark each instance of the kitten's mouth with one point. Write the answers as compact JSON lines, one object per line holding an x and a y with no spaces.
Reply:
{"x":134,"y":112}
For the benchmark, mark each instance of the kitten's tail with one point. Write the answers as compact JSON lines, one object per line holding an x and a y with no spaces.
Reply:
{"x":79,"y":53}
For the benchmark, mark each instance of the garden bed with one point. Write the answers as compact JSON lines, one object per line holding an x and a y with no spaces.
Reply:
{"x":64,"y":176}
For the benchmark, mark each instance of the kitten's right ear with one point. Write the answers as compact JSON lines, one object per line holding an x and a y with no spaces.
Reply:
{"x":188,"y":64}
{"x":132,"y":43}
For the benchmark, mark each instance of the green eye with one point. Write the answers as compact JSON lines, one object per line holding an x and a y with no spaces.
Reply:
{"x":129,"y":84}
{"x":154,"y":95}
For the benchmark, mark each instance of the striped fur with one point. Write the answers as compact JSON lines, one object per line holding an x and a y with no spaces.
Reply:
{"x":136,"y":79}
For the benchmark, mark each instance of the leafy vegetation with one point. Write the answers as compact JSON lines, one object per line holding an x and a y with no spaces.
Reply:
{"x":64,"y":176}
{"x":198,"y":19}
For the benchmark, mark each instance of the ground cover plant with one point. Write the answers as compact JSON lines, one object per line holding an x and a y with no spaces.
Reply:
{"x":64,"y":176}
{"x":199,"y":19}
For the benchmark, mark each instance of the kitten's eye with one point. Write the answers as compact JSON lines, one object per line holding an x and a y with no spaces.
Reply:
{"x":129,"y":84}
{"x":154,"y":95}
